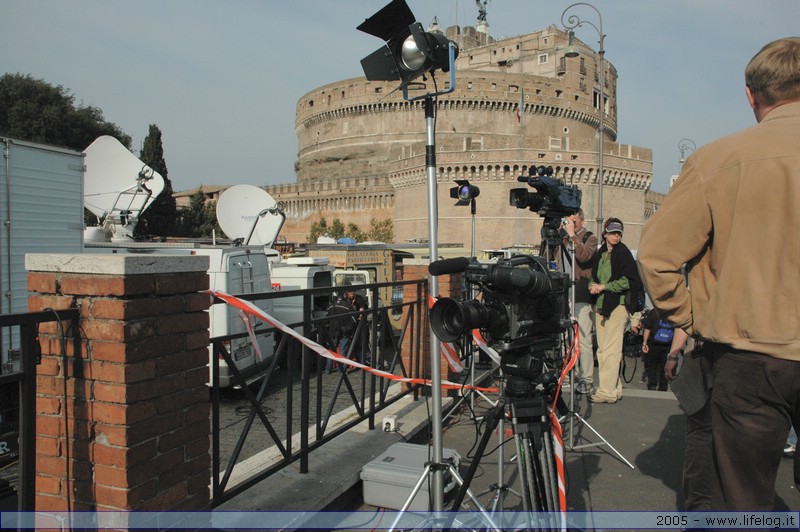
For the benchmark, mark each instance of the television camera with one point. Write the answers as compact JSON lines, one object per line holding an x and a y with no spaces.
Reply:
{"x":522,"y":312}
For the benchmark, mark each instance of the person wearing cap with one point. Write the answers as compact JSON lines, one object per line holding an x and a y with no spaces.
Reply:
{"x":613,"y":274}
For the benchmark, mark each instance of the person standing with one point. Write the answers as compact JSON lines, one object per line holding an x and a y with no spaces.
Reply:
{"x":613,"y":274}
{"x":585,"y":245}
{"x":725,"y":216}
{"x":656,"y":346}
{"x":342,"y":323}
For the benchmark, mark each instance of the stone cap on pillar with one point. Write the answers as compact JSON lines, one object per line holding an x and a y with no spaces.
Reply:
{"x":115,"y":264}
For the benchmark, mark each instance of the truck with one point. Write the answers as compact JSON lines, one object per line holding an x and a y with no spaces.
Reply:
{"x":364,"y":264}
{"x":41,"y":208}
{"x":377,"y":262}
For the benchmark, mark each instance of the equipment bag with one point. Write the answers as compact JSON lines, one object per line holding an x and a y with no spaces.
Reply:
{"x":664,"y":332}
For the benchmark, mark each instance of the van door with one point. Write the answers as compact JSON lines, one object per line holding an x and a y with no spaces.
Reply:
{"x":244,"y":273}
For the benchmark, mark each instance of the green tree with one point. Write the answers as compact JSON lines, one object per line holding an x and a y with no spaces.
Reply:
{"x":199,"y":219}
{"x":160,"y":218}
{"x":381,"y":230}
{"x":355,"y":233}
{"x":336,"y":230}
{"x":31,"y":109}
{"x":318,"y":229}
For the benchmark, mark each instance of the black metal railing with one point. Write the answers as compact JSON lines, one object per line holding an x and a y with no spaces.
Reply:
{"x":22,"y":330}
{"x":330,"y":403}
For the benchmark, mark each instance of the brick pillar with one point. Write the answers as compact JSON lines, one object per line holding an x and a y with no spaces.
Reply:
{"x":132,"y":430}
{"x":449,"y":286}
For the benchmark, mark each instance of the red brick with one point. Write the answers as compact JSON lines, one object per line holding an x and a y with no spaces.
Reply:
{"x":48,"y":405}
{"x":42,"y":283}
{"x":107,"y":285}
{"x":50,"y":503}
{"x":116,"y":456}
{"x":181,"y":283}
{"x":198,"y":377}
{"x":197,"y":412}
{"x":48,"y":446}
{"x":196,"y":302}
{"x":197,"y":339}
{"x":123,"y":414}
{"x":124,"y":499}
{"x":179,"y":362}
{"x":121,"y":477}
{"x":39,"y":302}
{"x":123,"y":373}
{"x":167,"y":461}
{"x":198,"y":447}
{"x":48,"y":485}
{"x":181,"y":323}
{"x":181,"y":399}
{"x":49,"y":465}
{"x":182,"y":436}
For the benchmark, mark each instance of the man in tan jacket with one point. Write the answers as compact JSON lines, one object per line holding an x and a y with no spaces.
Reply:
{"x":733,"y":217}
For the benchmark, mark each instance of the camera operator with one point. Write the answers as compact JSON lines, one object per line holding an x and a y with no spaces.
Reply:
{"x":585,"y":245}
{"x":727,"y":215}
{"x":613,"y":274}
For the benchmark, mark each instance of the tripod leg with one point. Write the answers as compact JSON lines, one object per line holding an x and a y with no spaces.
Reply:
{"x":536,"y":458}
{"x":492,"y":418}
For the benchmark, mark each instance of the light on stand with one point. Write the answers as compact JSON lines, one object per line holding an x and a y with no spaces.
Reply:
{"x":410,"y":52}
{"x":464,"y":193}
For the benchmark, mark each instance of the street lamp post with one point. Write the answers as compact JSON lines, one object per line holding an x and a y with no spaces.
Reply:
{"x":683,"y":145}
{"x":572,"y":22}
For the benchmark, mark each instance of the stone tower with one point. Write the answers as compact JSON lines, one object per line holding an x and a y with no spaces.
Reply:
{"x":519,"y":103}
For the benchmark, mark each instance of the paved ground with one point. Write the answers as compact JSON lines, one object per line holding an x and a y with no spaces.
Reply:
{"x":645,"y":429}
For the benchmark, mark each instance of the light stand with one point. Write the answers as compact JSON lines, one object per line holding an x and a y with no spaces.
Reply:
{"x":411,"y":52}
{"x":466,"y":194}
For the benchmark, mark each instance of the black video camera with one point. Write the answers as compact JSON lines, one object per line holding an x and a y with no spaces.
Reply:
{"x":524,"y":303}
{"x":552,"y":199}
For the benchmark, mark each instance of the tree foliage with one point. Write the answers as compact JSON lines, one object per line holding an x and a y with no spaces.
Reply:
{"x":380,"y":230}
{"x":160,"y":218}
{"x":31,"y":109}
{"x":199,"y":219}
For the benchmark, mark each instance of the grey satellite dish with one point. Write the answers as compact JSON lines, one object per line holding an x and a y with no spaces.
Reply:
{"x":117,"y":186}
{"x":250,"y":215}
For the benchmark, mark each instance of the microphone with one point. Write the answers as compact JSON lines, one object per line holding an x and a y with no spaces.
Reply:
{"x":445,"y":266}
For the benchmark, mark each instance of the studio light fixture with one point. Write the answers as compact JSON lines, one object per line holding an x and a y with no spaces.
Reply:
{"x":409,"y":51}
{"x":464,"y":192}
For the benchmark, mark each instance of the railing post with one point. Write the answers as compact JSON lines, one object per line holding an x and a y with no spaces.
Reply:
{"x":27,"y":399}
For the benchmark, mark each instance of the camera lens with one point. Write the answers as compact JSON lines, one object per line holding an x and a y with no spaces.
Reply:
{"x":451,"y":319}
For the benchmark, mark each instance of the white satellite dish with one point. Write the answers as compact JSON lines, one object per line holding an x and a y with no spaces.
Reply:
{"x":117,"y":186}
{"x":249,"y":214}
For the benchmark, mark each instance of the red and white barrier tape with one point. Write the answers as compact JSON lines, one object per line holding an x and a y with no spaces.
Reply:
{"x":251,"y":310}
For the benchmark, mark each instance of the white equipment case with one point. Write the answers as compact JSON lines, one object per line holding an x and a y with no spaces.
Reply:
{"x":389,"y":478}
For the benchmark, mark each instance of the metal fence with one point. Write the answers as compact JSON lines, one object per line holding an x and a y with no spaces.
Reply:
{"x":18,"y":375}
{"x":296,"y":405}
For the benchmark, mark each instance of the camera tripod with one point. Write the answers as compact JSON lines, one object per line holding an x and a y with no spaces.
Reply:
{"x":535,"y":448}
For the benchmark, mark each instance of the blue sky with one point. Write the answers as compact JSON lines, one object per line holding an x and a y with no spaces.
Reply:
{"x":221,"y":79}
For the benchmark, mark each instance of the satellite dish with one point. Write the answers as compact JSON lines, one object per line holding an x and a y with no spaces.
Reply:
{"x":117,"y":186}
{"x":249,"y":214}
